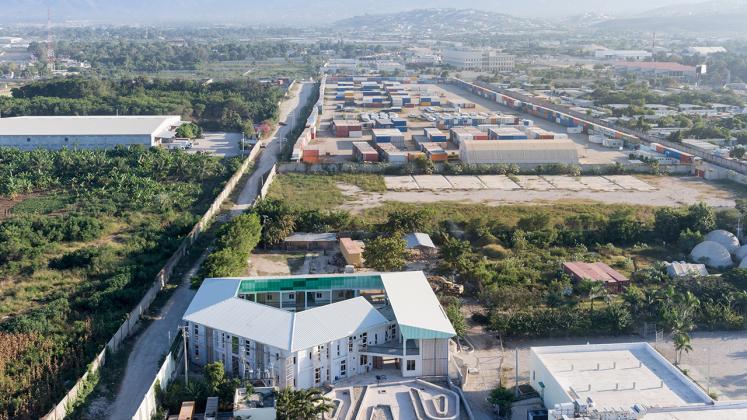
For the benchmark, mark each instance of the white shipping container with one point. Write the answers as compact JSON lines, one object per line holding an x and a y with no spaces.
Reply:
{"x":355,"y":134}
{"x":575,"y":130}
{"x":596,"y":139}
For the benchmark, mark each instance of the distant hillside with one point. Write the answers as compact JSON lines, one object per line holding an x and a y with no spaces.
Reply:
{"x":719,"y":16}
{"x":442,"y":20}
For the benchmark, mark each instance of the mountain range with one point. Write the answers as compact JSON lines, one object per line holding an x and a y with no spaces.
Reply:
{"x":293,"y":12}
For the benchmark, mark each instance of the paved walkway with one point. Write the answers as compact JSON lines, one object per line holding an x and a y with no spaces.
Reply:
{"x":154,"y":343}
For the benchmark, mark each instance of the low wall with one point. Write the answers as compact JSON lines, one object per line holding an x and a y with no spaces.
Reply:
{"x":396,"y":169}
{"x":60,"y":410}
{"x":165,"y":375}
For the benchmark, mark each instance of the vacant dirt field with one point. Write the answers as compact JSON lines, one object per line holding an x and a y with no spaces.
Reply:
{"x":496,"y":190}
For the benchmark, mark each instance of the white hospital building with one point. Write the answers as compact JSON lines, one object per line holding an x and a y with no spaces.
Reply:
{"x":86,"y":132}
{"x":306,"y":331}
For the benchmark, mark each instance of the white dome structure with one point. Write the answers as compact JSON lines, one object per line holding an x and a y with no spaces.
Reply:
{"x":712,"y":254}
{"x":725,"y":238}
{"x":741,"y":253}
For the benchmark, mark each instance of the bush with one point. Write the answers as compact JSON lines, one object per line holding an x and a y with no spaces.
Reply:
{"x":495,"y":251}
{"x":503,"y":398}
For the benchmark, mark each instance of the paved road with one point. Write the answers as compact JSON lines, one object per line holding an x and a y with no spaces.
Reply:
{"x":289,"y":113}
{"x":153,"y":343}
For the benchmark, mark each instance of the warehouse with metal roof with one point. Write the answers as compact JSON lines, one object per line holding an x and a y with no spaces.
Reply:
{"x":309,"y":330}
{"x":86,"y":132}
{"x":474,"y":152}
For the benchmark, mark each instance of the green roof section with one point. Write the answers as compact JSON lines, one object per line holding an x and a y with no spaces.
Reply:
{"x":297,"y":283}
{"x":414,"y":333}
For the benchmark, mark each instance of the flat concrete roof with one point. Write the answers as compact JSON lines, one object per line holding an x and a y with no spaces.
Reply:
{"x":86,"y":125}
{"x":619,"y":375}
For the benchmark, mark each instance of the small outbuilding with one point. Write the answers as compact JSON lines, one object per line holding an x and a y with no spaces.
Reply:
{"x":683,"y":269}
{"x":310,"y":241}
{"x":421,"y":242}
{"x":613,"y":280}
{"x":352,"y":251}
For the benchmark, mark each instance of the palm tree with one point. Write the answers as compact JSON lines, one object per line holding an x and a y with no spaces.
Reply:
{"x":301,"y":404}
{"x":681,"y":341}
{"x":595,"y":290}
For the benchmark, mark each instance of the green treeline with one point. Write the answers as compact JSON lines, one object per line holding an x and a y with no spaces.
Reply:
{"x":224,"y":105}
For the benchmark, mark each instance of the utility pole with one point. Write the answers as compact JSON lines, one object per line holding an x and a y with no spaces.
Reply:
{"x":186,"y":363}
{"x":516,"y":373}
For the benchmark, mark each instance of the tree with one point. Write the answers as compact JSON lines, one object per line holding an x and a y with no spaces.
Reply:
{"x":385,"y":253}
{"x":668,"y":223}
{"x":681,"y":342}
{"x":454,"y":313}
{"x":248,"y":129}
{"x":701,"y":218}
{"x":503,"y":399}
{"x":215,"y":374}
{"x":189,"y":131}
{"x":302,"y":404}
{"x":453,"y":251}
{"x":407,"y":220}
{"x":534,"y":222}
{"x":593,"y":290}
{"x":737,"y":152}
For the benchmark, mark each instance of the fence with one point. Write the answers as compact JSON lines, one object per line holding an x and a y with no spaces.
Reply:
{"x":163,"y":276}
{"x":165,"y":375}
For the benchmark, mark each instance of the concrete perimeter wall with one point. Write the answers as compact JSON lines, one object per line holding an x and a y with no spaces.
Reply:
{"x":60,"y":410}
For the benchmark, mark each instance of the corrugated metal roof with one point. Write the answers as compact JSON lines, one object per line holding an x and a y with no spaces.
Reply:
{"x":333,"y":322}
{"x":312,"y":237}
{"x":418,"y":239}
{"x":413,"y":303}
{"x":506,"y":145}
{"x":86,"y":125}
{"x":597,"y":271}
{"x":418,"y":311}
{"x":276,"y":327}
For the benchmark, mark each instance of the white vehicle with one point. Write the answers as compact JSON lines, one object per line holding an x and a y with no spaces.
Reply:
{"x":178,"y":145}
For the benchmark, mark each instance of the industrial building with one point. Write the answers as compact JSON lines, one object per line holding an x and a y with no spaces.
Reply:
{"x":474,"y":152}
{"x":86,"y":132}
{"x":622,"y":54}
{"x":621,"y":381}
{"x":479,"y":59}
{"x":659,"y":69}
{"x":310,"y":330}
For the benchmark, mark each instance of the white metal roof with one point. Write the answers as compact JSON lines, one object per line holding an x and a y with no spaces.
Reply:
{"x":418,"y":311}
{"x":333,"y":322}
{"x":216,"y":306}
{"x":418,"y":239}
{"x":86,"y":125}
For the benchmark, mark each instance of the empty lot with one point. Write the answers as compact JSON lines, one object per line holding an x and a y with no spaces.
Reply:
{"x":495,"y":190}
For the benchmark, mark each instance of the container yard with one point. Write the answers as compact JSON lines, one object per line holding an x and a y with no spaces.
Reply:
{"x":406,"y":118}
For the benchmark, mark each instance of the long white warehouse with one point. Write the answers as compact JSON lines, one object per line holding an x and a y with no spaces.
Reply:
{"x":86,"y":132}
{"x":306,"y":331}
{"x":518,"y":151}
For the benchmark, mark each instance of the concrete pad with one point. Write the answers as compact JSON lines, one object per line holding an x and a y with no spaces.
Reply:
{"x":598,"y":183}
{"x":531,"y":182}
{"x":629,"y":182}
{"x":565,"y":182}
{"x":400,"y":183}
{"x":433,"y":182}
{"x":465,"y":182}
{"x":499,"y":182}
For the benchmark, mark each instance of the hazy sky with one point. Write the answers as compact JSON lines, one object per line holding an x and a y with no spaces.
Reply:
{"x":298,"y":11}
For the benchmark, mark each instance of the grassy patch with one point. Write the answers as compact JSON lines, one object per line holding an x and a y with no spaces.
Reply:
{"x":460,"y":212}
{"x":43,"y":204}
{"x":321,"y":191}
